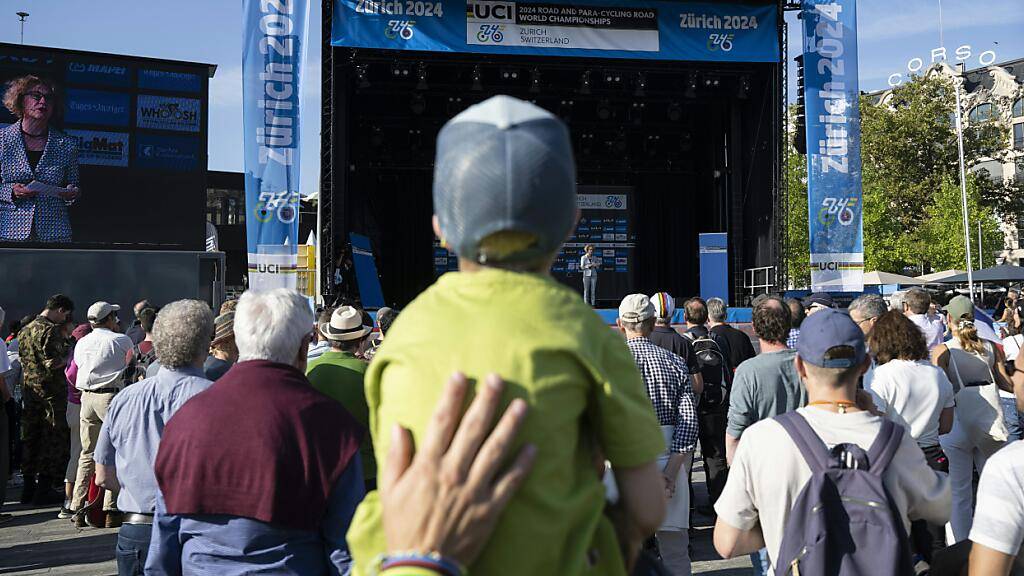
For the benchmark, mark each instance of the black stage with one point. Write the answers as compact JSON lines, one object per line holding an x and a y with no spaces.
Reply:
{"x":699,"y":143}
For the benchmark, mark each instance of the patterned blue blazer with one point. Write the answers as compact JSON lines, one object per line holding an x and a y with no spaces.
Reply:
{"x":58,"y":166}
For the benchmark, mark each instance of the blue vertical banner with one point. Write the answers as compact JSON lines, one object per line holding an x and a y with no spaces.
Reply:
{"x":833,"y":145}
{"x":274,"y":35}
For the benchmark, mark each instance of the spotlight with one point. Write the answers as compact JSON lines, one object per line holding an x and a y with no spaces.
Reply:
{"x":641,"y":85}
{"x":651,"y":145}
{"x":604,"y":110}
{"x":400,"y":70}
{"x":376,"y":137}
{"x":418,"y":104}
{"x":743,"y":91}
{"x":421,"y":76}
{"x":675,"y":112}
{"x":362,"y":71}
{"x":712,"y":81}
{"x":565,"y":108}
{"x":585,"y":82}
{"x":509,"y":74}
{"x":477,"y":76}
{"x":535,"y":80}
{"x":454,"y":105}
{"x":691,"y":85}
{"x":586,"y":144}
{"x":612,"y":77}
{"x":636,"y":112}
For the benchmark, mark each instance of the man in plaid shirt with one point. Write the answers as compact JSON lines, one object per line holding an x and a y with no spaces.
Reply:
{"x":668,"y":385}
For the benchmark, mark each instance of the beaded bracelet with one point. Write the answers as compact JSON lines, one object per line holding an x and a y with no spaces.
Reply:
{"x":432,"y":561}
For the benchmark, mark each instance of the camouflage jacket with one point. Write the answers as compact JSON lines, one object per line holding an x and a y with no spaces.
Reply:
{"x":43,"y":351}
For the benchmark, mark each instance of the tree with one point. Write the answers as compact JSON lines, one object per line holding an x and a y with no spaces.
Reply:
{"x":911,"y":183}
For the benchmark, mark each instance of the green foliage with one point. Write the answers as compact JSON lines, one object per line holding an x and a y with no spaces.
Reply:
{"x":911,"y":177}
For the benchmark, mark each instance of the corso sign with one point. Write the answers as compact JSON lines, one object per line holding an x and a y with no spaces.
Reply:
{"x":962,"y":53}
{"x":168,"y":113}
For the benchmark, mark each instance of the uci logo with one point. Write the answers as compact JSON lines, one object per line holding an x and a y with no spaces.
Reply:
{"x":491,"y":11}
{"x":399,"y":29}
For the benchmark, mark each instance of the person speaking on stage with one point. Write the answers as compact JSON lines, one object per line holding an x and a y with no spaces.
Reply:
{"x":38,"y":166}
{"x":589,"y":265}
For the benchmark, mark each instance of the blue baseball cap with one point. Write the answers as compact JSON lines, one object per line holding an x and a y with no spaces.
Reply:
{"x":826,"y":331}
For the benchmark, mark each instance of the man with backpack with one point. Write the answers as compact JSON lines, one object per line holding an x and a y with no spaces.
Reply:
{"x":830,"y":488}
{"x":712,"y":353}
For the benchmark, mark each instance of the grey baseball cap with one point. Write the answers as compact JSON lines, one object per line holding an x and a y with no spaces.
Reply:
{"x":504,"y":165}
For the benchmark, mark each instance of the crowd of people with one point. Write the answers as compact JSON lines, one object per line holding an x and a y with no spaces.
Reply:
{"x":274,"y":438}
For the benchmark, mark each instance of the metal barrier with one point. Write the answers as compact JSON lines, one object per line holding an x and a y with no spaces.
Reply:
{"x":757,"y":281}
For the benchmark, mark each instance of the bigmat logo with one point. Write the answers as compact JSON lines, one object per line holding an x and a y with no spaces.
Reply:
{"x":101,"y":148}
{"x":168,"y":113}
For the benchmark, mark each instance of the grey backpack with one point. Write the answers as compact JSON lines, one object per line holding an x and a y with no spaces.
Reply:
{"x":843,"y":522}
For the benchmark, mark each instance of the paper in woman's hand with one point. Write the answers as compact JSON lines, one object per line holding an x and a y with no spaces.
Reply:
{"x":43,"y":189}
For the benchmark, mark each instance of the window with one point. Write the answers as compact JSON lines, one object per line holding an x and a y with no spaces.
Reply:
{"x":1018,"y":108}
{"x":981,"y":113}
{"x":1018,"y":136}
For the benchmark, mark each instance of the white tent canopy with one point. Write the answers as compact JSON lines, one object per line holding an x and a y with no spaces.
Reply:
{"x":940,"y":276}
{"x":887,"y":278}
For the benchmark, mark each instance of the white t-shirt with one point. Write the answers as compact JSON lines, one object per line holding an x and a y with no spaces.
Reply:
{"x":917,"y":391}
{"x":932,"y":327}
{"x":999,"y":515}
{"x":768,"y":474}
{"x":1011,"y":347}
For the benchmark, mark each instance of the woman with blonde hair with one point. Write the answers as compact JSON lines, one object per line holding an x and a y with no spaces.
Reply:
{"x":977,"y":370}
{"x":34,"y":152}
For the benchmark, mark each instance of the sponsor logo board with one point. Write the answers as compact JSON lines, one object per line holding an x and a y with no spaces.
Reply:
{"x":166,"y":152}
{"x":96,"y":107}
{"x":79,"y":72}
{"x":170,"y":80}
{"x":101,"y":148}
{"x":168,"y":113}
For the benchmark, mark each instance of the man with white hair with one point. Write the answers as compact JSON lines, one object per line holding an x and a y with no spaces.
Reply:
{"x":260,"y":473}
{"x":130,"y":436}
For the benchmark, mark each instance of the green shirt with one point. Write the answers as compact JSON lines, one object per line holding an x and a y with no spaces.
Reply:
{"x":584,"y":393}
{"x":340,"y":376}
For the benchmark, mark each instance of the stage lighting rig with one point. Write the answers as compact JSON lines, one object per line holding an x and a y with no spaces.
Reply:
{"x":362,"y":75}
{"x":686,"y":141}
{"x":612,"y":78}
{"x":585,"y":82}
{"x":421,"y":76}
{"x":586,"y":144}
{"x":712,"y":82}
{"x":691,"y":85}
{"x":455,"y":105}
{"x":376,"y":137}
{"x":743,"y":89}
{"x":636,"y":112}
{"x":675,"y":112}
{"x":604,"y":110}
{"x":509,"y":74}
{"x":651,"y":145}
{"x":418,"y":104}
{"x":535,"y":81}
{"x":565,"y":108}
{"x":478,"y":73}
{"x":400,"y":70}
{"x":641,"y":85}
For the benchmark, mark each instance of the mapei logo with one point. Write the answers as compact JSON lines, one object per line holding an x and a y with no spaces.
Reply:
{"x":399,"y":29}
{"x":83,"y":68}
{"x":487,"y":11}
{"x":837,"y":209}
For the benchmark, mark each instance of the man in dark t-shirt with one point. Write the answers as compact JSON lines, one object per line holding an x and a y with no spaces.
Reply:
{"x":713,"y":355}
{"x":665,"y":336}
{"x":740,"y":347}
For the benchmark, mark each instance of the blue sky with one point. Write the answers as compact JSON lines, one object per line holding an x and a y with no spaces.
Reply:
{"x":891,"y":33}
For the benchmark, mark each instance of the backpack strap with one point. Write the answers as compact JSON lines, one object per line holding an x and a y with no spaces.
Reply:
{"x":813,"y":449}
{"x":884,"y":447}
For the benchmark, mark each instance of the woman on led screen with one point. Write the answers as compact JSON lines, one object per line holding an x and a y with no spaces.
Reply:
{"x":38,"y":166}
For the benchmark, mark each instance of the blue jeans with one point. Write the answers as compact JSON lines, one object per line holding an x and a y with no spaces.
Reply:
{"x":759,"y":562}
{"x":132,"y":547}
{"x":1011,"y":418}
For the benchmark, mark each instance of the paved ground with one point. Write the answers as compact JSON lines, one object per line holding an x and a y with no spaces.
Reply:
{"x":36,"y":542}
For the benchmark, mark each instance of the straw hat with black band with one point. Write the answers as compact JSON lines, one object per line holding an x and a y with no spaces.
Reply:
{"x":346,"y":324}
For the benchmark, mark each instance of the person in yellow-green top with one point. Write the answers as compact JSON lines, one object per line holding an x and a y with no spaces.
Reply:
{"x":505,"y":201}
{"x":339,"y":374}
